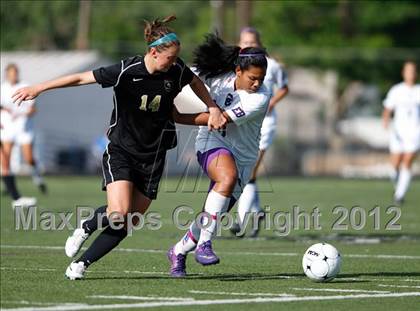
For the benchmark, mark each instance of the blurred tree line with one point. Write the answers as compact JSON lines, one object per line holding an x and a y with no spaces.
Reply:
{"x":362,"y":40}
{"x":115,"y":27}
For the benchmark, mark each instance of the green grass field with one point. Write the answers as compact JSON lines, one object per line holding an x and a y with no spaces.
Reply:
{"x":380,"y":270}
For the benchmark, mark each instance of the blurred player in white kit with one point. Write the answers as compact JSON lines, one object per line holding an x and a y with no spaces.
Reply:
{"x":275,"y":81}
{"x":17,"y":128}
{"x":403,"y":101}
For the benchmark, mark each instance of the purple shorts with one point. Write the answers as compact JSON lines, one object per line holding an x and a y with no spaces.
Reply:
{"x":206,"y":157}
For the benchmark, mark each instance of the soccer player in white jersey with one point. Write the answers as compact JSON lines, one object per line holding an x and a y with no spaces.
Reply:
{"x":235,"y":78}
{"x":275,"y":81}
{"x":403,"y":101}
{"x":17,"y":127}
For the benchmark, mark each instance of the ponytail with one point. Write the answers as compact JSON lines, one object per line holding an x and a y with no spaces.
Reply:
{"x":157,"y":29}
{"x":214,"y":57}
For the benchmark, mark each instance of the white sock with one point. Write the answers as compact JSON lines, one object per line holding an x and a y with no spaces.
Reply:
{"x":189,"y":240}
{"x":215,"y":204}
{"x":256,"y":206}
{"x":246,"y":200}
{"x":394,"y":176}
{"x":403,"y":183}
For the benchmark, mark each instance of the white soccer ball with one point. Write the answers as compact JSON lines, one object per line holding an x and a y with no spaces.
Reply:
{"x":321,"y":262}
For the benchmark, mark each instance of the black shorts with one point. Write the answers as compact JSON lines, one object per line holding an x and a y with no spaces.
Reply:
{"x":143,"y":171}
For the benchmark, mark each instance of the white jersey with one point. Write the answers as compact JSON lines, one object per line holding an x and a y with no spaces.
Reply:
{"x":16,"y":116}
{"x":276,"y":77}
{"x":247,"y":111}
{"x":404,"y":101}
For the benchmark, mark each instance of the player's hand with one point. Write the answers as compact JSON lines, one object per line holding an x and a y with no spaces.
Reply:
{"x":25,"y":93}
{"x":217,"y":120}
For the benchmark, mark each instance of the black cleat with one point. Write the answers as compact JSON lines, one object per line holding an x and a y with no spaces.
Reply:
{"x":235,"y":229}
{"x":43,"y":188}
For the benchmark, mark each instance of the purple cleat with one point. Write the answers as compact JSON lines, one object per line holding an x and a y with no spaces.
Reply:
{"x":177,"y":263}
{"x":204,"y":254}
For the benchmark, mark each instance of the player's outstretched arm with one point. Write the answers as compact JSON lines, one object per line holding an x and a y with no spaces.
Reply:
{"x":278,"y":96}
{"x":30,"y":92}
{"x":190,"y":118}
{"x":216,"y":118}
{"x":194,"y":118}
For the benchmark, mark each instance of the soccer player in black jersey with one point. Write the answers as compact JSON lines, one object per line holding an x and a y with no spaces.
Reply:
{"x":141,"y":131}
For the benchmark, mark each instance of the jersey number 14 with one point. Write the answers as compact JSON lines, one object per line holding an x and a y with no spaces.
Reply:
{"x":153,"y":105}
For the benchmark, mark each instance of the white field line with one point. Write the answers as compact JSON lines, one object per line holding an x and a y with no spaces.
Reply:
{"x":140,"y":250}
{"x":241,"y":294}
{"x":381,"y":256}
{"x":135,"y":250}
{"x":25,"y":302}
{"x":128,"y":272}
{"x":398,"y":286}
{"x":27,"y":269}
{"x":290,"y":295}
{"x":95,"y":271}
{"x":338,"y":290}
{"x":153,"y":298}
{"x":211,"y":302}
{"x":391,"y":279}
{"x":262,"y":254}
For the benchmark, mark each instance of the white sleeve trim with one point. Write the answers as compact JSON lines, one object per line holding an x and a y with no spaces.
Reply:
{"x":124,"y":70}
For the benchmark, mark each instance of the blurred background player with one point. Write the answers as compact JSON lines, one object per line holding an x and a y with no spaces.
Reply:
{"x":275,"y":81}
{"x":403,"y":101}
{"x":17,"y":127}
{"x":235,"y":77}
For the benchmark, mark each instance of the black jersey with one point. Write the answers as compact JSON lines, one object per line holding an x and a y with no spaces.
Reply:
{"x":141,"y":122}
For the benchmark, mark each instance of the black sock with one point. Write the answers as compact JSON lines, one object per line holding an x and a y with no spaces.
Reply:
{"x":9,"y":181}
{"x":252,"y":181}
{"x":91,"y":225}
{"x":104,"y":243}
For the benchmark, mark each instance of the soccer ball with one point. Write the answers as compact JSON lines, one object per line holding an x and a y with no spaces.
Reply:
{"x":321,"y":262}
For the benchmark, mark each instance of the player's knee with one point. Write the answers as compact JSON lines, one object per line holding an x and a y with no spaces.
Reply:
{"x":228,"y":180}
{"x":117,"y":214}
{"x":4,"y":165}
{"x":5,"y":168}
{"x":406,"y":165}
{"x":408,"y":160}
{"x":5,"y":159}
